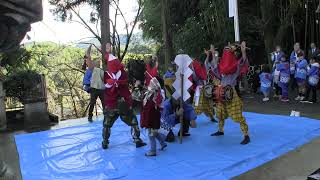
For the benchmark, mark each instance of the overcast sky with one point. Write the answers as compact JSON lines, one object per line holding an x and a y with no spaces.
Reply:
{"x":65,"y":32}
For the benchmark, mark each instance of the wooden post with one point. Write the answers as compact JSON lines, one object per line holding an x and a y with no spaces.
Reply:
{"x":181,"y":106}
{"x":3,"y":120}
{"x":105,"y":29}
{"x":96,"y":110}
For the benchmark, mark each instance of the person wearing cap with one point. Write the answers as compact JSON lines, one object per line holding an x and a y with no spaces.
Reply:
{"x":118,"y":100}
{"x":301,"y":76}
{"x":229,"y":69}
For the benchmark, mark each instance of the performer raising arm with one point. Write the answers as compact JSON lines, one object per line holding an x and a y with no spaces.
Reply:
{"x":118,"y":100}
{"x":229,"y":70}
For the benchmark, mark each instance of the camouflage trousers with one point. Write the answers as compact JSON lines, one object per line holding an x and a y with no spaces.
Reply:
{"x":128,"y":117}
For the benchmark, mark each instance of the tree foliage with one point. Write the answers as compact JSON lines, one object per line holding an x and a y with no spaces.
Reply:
{"x":263,"y":24}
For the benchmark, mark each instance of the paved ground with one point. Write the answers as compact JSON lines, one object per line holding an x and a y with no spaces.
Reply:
{"x":297,"y":164}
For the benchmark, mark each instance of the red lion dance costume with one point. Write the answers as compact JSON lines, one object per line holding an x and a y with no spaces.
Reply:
{"x":229,"y":70}
{"x":118,"y":101}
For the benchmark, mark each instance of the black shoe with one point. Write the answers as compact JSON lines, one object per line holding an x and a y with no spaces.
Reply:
{"x":140,"y":143}
{"x":218,"y":134}
{"x":90,"y":119}
{"x":163,"y":147}
{"x":214,"y":120}
{"x":105,"y":145}
{"x":170,"y":137}
{"x":185,"y":134}
{"x":246,"y":140}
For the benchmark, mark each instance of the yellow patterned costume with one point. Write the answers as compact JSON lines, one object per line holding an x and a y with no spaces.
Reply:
{"x":232,"y":109}
{"x":168,"y":86}
{"x":205,"y":105}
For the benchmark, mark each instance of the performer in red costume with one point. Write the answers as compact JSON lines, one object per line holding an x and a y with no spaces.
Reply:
{"x":229,"y":70}
{"x":118,"y":100}
{"x":204,"y":74}
{"x":198,"y":77}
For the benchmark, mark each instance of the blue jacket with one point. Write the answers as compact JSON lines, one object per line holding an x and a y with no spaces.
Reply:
{"x":265,"y":79}
{"x":293,"y":59}
{"x":168,"y":114}
{"x":284,"y":68}
{"x":169,"y":74}
{"x":313,"y":74}
{"x":301,"y":69}
{"x":87,"y":77}
{"x":277,"y":56}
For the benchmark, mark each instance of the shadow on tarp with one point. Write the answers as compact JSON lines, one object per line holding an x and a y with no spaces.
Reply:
{"x":75,"y":152}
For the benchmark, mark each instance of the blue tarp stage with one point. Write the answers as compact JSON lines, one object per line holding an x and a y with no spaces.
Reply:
{"x":75,"y":152}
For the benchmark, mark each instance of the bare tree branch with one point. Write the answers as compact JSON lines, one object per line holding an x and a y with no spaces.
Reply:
{"x":140,"y":10}
{"x":86,"y":25}
{"x":122,"y":15}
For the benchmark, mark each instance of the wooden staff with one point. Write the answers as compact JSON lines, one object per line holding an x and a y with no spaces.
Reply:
{"x":181,"y":106}
{"x":96,"y":110}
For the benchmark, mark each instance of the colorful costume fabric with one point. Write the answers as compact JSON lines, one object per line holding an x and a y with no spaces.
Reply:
{"x":169,"y":118}
{"x":233,"y":108}
{"x":151,"y":72}
{"x":150,"y":114}
{"x":169,"y":79}
{"x":118,"y":101}
{"x":200,"y":102}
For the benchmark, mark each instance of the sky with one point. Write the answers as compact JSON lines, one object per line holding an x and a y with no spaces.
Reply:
{"x":52,"y":30}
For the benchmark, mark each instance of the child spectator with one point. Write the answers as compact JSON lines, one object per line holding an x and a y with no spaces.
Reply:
{"x":284,"y":68}
{"x":170,"y":73}
{"x":301,"y":75}
{"x":150,"y":116}
{"x":265,"y":79}
{"x":275,"y":80}
{"x":313,"y":79}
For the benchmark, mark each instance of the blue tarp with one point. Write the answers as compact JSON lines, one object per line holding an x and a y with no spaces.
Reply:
{"x":75,"y":153}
